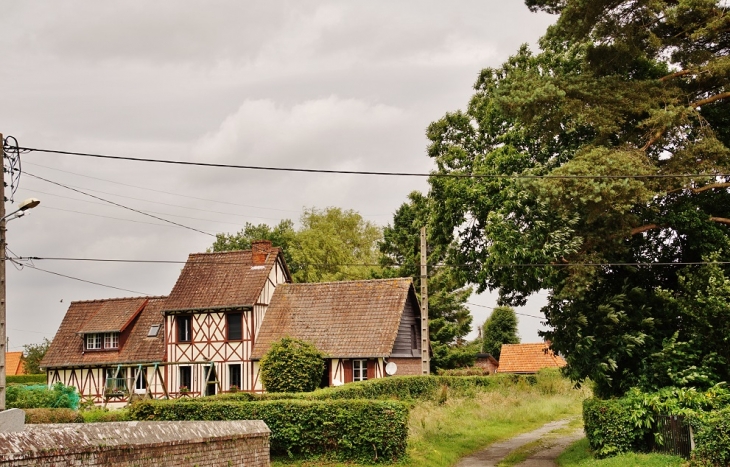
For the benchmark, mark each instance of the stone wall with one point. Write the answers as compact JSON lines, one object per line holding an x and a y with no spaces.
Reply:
{"x":138,"y":444}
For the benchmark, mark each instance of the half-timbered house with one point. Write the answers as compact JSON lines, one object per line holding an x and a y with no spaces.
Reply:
{"x":360,"y":325}
{"x":213,"y":316}
{"x":109,"y":349}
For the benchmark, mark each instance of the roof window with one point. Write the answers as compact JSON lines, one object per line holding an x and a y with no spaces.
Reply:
{"x":154,"y":330}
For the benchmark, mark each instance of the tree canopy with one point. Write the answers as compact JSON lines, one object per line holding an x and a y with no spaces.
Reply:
{"x":606,"y":149}
{"x":500,"y":328}
{"x":33,"y":354}
{"x":331,"y":244}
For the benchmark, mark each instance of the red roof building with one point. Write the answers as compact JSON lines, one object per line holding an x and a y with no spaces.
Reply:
{"x":528,"y":358}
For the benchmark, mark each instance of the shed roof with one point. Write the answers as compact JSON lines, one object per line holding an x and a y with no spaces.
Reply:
{"x":14,"y":364}
{"x":227,"y":279}
{"x":528,"y":358}
{"x":342,"y":319}
{"x":67,"y":348}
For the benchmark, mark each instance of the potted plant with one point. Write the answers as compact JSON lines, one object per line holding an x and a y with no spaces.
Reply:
{"x":233,"y":388}
{"x":184,"y":390}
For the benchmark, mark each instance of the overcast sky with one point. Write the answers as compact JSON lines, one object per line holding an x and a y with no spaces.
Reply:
{"x":315,"y":84}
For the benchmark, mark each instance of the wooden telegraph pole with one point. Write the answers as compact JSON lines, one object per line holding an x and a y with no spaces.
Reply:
{"x":3,"y":332}
{"x":425,"y":342}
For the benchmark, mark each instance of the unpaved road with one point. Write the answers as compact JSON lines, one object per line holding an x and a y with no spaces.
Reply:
{"x":543,"y":457}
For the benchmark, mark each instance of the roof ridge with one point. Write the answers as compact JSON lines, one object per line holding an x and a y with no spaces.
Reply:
{"x":409,"y":279}
{"x":207,"y":253}
{"x":96,"y":300}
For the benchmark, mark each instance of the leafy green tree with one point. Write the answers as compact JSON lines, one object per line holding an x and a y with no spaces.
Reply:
{"x":281,"y":235}
{"x":331,"y":244}
{"x":500,"y":328}
{"x":292,"y":365}
{"x":449,"y":319}
{"x":626,"y":107}
{"x":335,"y":244}
{"x":33,"y":354}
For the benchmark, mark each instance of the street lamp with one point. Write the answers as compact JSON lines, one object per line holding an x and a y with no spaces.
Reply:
{"x":29,"y":203}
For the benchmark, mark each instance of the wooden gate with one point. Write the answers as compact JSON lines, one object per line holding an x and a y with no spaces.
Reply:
{"x":676,"y":436}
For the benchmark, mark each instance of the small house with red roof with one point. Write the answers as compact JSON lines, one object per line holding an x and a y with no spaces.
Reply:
{"x":528,"y":358}
{"x":14,"y":363}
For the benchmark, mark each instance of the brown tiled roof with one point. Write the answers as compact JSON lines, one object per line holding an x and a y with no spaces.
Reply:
{"x":14,"y":363}
{"x":67,"y":347}
{"x":220,"y":280}
{"x":113,"y":315}
{"x":528,"y":358}
{"x":342,"y":319}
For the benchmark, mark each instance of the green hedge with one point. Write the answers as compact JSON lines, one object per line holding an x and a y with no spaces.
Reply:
{"x":406,"y":388}
{"x":37,"y":416}
{"x":611,"y":428}
{"x":712,"y":438}
{"x":27,"y":379}
{"x":346,"y":430}
{"x":37,"y":397}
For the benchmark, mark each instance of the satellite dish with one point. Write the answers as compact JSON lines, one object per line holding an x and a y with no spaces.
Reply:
{"x":391,"y":368}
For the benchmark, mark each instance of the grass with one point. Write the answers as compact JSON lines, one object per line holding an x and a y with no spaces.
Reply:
{"x":441,"y":434}
{"x":579,"y":455}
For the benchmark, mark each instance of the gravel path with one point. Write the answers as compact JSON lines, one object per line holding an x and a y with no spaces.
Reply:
{"x":491,"y":456}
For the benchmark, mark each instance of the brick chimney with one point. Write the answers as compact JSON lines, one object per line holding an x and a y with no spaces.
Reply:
{"x":259,"y":251}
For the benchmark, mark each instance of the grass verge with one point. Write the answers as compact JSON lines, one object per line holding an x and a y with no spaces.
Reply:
{"x":579,"y":455}
{"x":441,"y":434}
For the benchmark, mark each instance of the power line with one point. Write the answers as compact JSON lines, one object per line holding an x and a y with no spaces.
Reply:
{"x":361,"y":172}
{"x":121,"y":205}
{"x":492,"y":308}
{"x":123,"y":260}
{"x":162,"y":191}
{"x":73,"y":278}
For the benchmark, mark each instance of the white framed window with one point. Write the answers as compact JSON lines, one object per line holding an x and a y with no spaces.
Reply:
{"x":111,"y":340}
{"x":140,"y":380}
{"x":93,"y":341}
{"x":359,"y":370}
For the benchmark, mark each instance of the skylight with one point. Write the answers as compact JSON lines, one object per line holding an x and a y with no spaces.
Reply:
{"x":154,"y":330}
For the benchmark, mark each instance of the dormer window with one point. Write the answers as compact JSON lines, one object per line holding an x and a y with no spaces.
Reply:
{"x":93,"y":341}
{"x":110,"y":341}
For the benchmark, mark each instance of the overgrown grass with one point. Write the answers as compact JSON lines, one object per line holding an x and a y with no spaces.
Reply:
{"x":579,"y":455}
{"x":522,"y":453}
{"x":442,"y":433}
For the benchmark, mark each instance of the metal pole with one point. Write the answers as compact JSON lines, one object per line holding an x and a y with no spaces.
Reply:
{"x":425,"y":343}
{"x":3,"y":333}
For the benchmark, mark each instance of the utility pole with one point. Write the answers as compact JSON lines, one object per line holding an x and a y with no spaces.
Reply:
{"x":425,"y":342}
{"x":3,"y":332}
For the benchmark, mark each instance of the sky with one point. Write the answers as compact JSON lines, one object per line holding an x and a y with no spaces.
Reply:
{"x":311,"y":84}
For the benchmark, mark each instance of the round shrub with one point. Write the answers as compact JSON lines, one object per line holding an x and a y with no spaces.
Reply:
{"x":39,"y":416}
{"x":292,"y":365}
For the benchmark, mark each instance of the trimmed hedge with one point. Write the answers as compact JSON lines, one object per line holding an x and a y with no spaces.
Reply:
{"x":406,"y":388}
{"x":27,"y":379}
{"x":38,"y":397}
{"x":38,"y":416}
{"x":712,"y":439}
{"x":610,"y":427}
{"x":346,"y":430}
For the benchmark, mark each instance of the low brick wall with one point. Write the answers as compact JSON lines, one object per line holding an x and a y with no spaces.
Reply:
{"x":139,"y":444}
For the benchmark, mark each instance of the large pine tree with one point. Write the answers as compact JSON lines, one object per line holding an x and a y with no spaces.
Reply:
{"x":638,"y":94}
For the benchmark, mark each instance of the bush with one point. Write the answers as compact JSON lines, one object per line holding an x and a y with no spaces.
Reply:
{"x":38,"y":416}
{"x":712,"y":439}
{"x":27,"y":379}
{"x":346,"y":430}
{"x":471,"y":371}
{"x":292,"y":365}
{"x":35,"y":397}
{"x":611,"y":427}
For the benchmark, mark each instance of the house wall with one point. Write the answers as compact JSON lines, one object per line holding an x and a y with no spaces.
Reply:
{"x":408,"y":341}
{"x":407,"y":366}
{"x":209,"y":344}
{"x":486,"y":364}
{"x":341,"y":370}
{"x":91,"y":382}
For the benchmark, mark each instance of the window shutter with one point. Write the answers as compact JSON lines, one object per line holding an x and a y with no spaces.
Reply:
{"x":347,"y":365}
{"x":371,"y":368}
